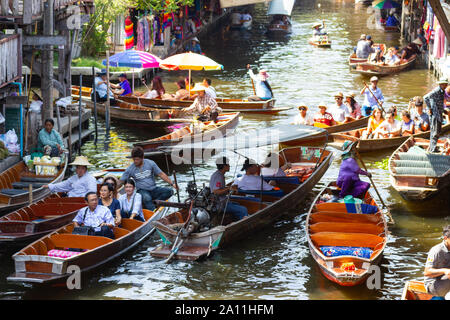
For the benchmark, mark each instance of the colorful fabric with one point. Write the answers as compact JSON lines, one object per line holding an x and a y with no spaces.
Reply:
{"x":62,"y":253}
{"x":325,"y":118}
{"x":129,"y":35}
{"x":332,"y":251}
{"x":362,"y":208}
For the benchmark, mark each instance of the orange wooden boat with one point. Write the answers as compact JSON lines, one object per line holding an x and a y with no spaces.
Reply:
{"x":415,"y":290}
{"x":369,"y":68}
{"x":34,"y":265}
{"x":320,"y":42}
{"x":330,"y":225}
{"x":25,"y":225}
{"x":353,"y":61}
{"x":15,"y":182}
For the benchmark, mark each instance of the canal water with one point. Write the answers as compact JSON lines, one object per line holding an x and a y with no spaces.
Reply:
{"x":274,"y":263}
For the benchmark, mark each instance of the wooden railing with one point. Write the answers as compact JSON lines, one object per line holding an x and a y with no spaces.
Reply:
{"x":10,"y":59}
{"x":21,"y":11}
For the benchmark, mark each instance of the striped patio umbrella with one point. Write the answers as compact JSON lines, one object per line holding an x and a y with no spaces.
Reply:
{"x":385,"y":4}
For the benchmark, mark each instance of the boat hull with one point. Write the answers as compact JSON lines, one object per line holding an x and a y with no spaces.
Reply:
{"x":415,"y":290}
{"x":383,"y":70}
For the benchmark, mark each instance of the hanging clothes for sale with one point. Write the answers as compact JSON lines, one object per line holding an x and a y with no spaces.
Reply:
{"x":129,"y":35}
{"x":439,"y":41}
{"x":140,"y":36}
{"x":146,"y":34}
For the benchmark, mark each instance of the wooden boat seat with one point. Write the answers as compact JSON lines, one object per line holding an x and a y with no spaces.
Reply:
{"x":344,"y":217}
{"x":53,"y":209}
{"x":13,"y":192}
{"x":77,"y":241}
{"x":147,"y":214}
{"x":25,"y":185}
{"x":65,"y":200}
{"x":130,"y":224}
{"x":346,"y":239}
{"x":346,"y":227}
{"x":35,"y":179}
{"x":120,"y":232}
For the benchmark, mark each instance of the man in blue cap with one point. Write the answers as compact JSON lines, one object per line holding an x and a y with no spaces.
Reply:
{"x":123,"y":88}
{"x":102,"y":89}
{"x":348,"y":179}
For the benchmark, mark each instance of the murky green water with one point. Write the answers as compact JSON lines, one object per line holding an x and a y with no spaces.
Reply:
{"x":274,"y":263}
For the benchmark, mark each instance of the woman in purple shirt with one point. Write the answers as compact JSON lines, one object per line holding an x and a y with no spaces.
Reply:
{"x":348,"y":179}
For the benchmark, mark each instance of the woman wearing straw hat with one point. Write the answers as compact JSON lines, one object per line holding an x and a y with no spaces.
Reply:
{"x":78,"y":185}
{"x":318,"y":30}
{"x":323,"y":116}
{"x":204,"y":105}
{"x":263,"y":91}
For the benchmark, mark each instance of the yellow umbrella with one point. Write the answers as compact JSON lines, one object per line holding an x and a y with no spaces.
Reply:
{"x":189,"y":61}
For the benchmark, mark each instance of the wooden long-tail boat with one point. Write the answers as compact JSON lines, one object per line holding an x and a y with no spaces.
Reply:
{"x":186,"y":134}
{"x":415,"y":290}
{"x":369,"y":68}
{"x":308,"y":166}
{"x":332,"y":227}
{"x":227,"y":105}
{"x":367,"y":145}
{"x":33,"y":264}
{"x":25,"y":225}
{"x":353,"y":61}
{"x":15,"y":183}
{"x":320,"y":42}
{"x":417,"y":175}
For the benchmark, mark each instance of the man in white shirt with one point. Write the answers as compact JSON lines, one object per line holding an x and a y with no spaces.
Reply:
{"x":236,"y":18}
{"x":209,"y":89}
{"x":303,"y":117}
{"x":388,"y":128}
{"x":251,"y":180}
{"x":339,"y":111}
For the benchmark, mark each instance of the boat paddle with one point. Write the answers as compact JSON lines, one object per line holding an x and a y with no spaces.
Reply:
{"x":376,"y":190}
{"x":253,"y":84}
{"x":378,"y":102}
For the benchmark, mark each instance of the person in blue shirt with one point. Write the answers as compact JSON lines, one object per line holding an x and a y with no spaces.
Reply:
{"x":194,"y":46}
{"x":49,"y":140}
{"x":107,"y":199}
{"x":261,"y":85}
{"x":102,"y":88}
{"x":391,"y":21}
{"x":131,"y":202}
{"x":369,"y":100}
{"x":123,"y":88}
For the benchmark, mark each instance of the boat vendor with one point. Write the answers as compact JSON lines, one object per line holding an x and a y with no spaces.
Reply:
{"x":79,"y":184}
{"x":251,"y":180}
{"x":102,"y":88}
{"x":218,"y":187}
{"x":435,"y":103}
{"x":49,"y":140}
{"x":96,"y":216}
{"x":194,"y":46}
{"x":262,"y":86}
{"x":421,"y":119}
{"x":437,"y":268}
{"x":369,"y":101}
{"x":339,"y":111}
{"x":411,"y":49}
{"x":143,"y":172}
{"x":303,"y":117}
{"x":348,"y":179}
{"x":318,"y":30}
{"x":204,"y":106}
{"x":123,"y":88}
{"x":323,"y":116}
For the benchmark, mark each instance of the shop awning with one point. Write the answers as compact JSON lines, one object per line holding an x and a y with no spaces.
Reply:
{"x":283,"y":7}
{"x":237,"y":3}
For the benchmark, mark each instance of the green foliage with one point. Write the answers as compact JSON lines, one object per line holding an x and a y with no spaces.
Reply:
{"x":89,"y":62}
{"x":95,"y":34}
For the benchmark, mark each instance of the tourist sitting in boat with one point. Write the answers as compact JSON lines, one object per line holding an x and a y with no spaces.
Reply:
{"x":96,"y":216}
{"x":364,"y":47}
{"x":262,"y":86}
{"x":218,"y":187}
{"x":123,"y":88}
{"x":204,"y":106}
{"x":246,"y":19}
{"x":349,"y":171}
{"x":318,"y":30}
{"x":182,"y":93}
{"x":157,"y":90}
{"x":270,"y":167}
{"x":389,"y":128}
{"x":114,"y":182}
{"x":323,"y":117}
{"x":420,"y":118}
{"x":375,"y":120}
{"x":447,"y":105}
{"x":49,"y":140}
{"x":391,"y":57}
{"x":194,"y":46}
{"x":372,"y":97}
{"x":353,"y":107}
{"x":446,"y":147}
{"x":143,"y":171}
{"x":251,"y":180}
{"x":411,"y":49}
{"x":407,"y":124}
{"x":437,"y":268}
{"x":339,"y":111}
{"x":303,"y":117}
{"x":102,"y":88}
{"x":209,"y":89}
{"x":108,"y":199}
{"x":80,"y":183}
{"x":131,"y":202}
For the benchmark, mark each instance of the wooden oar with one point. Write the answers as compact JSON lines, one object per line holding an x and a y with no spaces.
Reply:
{"x":376,"y":190}
{"x":378,"y":102}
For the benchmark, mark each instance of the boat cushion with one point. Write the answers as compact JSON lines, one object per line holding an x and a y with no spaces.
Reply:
{"x":424,"y":157}
{"x":332,"y":251}
{"x":62,"y":253}
{"x":24,"y":185}
{"x":35,"y":179}
{"x":274,"y":193}
{"x":436,"y":172}
{"x":294,"y":180}
{"x":421,"y":164}
{"x":13,"y":192}
{"x":361,"y":208}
